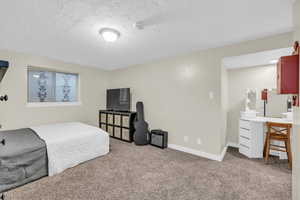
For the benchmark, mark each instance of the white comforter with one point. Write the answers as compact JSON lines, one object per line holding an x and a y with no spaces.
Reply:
{"x":69,"y":144}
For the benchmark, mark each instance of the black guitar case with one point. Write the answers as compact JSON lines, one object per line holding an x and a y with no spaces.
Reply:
{"x":141,"y":133}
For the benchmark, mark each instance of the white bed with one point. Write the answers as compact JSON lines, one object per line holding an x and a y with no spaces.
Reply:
{"x":69,"y":144}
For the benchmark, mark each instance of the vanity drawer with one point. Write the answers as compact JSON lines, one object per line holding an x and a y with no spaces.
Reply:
{"x":245,"y":141}
{"x":245,"y":124}
{"x":244,"y":150}
{"x":245,"y":133}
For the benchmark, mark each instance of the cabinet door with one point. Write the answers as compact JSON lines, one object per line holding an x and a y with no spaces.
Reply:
{"x":103,"y":127}
{"x":125,"y":134}
{"x":110,"y":119}
{"x":288,"y":75}
{"x":110,"y":130}
{"x":103,"y":117}
{"x":117,"y":132}
{"x":125,"y":121}
{"x":118,"y":120}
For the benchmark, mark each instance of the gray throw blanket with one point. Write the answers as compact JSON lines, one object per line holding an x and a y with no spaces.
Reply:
{"x":23,"y":158}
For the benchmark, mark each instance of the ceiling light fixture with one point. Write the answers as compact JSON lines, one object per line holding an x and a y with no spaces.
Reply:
{"x":109,"y":34}
{"x":274,"y":61}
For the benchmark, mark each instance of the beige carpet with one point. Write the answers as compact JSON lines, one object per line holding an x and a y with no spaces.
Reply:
{"x":129,"y":172}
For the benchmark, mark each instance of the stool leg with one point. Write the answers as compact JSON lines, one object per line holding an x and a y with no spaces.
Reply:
{"x":265,"y":147}
{"x":289,"y":153}
{"x":286,"y":148}
{"x":268,"y":148}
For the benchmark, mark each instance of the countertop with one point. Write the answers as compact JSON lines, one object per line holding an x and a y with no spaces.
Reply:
{"x":268,"y":119}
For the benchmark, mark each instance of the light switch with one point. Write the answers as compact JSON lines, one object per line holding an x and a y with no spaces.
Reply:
{"x":211,"y":95}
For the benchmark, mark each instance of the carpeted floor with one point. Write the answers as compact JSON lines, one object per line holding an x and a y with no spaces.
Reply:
{"x":130,"y":172}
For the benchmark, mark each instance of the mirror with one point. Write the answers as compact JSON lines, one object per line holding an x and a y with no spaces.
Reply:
{"x":250,"y":100}
{"x":276,"y":105}
{"x":3,"y":68}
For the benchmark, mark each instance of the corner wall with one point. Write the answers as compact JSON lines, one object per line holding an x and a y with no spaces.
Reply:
{"x":224,"y":105}
{"x":296,"y":156}
{"x":176,"y":93}
{"x":15,"y":113}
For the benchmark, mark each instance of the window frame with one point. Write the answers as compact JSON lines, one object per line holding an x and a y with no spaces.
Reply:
{"x":52,"y":104}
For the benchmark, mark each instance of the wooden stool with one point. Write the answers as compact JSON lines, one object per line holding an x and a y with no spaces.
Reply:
{"x":278,"y":132}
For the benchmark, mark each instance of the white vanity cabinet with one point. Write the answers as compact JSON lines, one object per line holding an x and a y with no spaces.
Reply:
{"x":252,"y":132}
{"x":251,"y":139}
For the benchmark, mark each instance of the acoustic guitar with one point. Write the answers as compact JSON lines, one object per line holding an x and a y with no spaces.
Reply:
{"x":141,"y":134}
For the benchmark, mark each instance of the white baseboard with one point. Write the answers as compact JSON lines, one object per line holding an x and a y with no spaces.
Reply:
{"x":199,"y":153}
{"x":232,"y":144}
{"x":202,"y":153}
{"x":223,"y":153}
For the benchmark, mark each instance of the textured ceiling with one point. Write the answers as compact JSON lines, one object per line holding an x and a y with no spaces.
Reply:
{"x":68,"y":29}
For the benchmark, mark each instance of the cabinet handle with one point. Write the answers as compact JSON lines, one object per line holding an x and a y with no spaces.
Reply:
{"x":244,"y":137}
{"x":245,"y":129}
{"x":245,"y":120}
{"x":244,"y":146}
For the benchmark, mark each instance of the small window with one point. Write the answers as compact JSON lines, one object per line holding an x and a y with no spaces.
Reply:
{"x":50,"y":86}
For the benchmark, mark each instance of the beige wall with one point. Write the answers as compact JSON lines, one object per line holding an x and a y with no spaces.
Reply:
{"x":15,"y":113}
{"x":176,"y":91}
{"x":296,"y":157}
{"x":240,"y":80}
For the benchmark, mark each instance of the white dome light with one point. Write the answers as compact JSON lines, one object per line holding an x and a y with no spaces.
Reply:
{"x":109,"y":35}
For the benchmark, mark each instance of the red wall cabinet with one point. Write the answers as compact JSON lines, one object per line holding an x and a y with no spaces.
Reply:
{"x":288,"y":75}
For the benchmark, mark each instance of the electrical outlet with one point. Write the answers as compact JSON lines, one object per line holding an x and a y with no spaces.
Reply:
{"x":186,"y":138}
{"x":199,"y":141}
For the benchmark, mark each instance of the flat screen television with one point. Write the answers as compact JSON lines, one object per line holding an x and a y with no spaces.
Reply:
{"x":118,"y":99}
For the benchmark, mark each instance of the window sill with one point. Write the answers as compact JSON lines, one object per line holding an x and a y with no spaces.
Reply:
{"x":52,"y":104}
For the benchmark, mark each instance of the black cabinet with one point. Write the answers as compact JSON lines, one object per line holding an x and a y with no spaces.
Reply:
{"x":119,"y":125}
